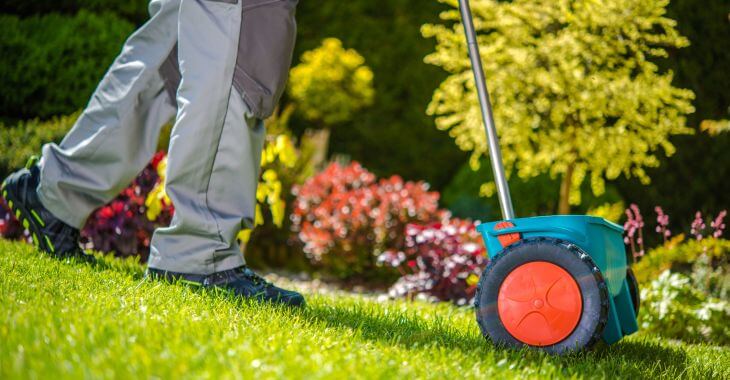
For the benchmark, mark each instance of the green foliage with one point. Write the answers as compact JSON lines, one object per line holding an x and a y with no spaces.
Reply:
{"x":394,"y":135}
{"x":50,"y":64}
{"x":677,"y":254}
{"x":64,"y":320}
{"x":331,"y":83}
{"x":609,"y":211}
{"x":132,"y":10}
{"x":674,"y":308}
{"x":715,"y":127}
{"x":574,"y":90}
{"x":701,"y":67}
{"x":20,"y":142}
{"x":711,"y":276}
{"x":533,"y":196}
{"x":386,"y":33}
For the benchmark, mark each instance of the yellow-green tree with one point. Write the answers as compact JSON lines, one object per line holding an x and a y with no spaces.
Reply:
{"x":574,"y":88}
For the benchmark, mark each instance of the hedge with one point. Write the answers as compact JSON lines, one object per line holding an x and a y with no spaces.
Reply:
{"x":131,"y":10}
{"x":50,"y":64}
{"x":21,"y":141}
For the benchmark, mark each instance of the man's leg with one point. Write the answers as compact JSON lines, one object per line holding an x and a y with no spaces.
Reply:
{"x":213,"y":160}
{"x":110,"y":143}
{"x":215,"y":148}
{"x":117,"y":133}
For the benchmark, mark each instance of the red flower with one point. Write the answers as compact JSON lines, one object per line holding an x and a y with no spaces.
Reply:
{"x":159,"y":156}
{"x":117,"y":206}
{"x":106,"y":212}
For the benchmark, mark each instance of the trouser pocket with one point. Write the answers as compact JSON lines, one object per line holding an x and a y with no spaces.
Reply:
{"x":266,"y":44}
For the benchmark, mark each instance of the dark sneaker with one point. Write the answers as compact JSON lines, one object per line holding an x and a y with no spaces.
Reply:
{"x":49,"y":233}
{"x":241,"y":281}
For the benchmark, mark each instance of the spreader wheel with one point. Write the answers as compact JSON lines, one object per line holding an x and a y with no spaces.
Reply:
{"x":633,"y":290}
{"x":543,"y":293}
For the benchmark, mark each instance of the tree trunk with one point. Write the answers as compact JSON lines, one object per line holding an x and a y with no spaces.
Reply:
{"x":320,"y":141}
{"x":565,"y":184}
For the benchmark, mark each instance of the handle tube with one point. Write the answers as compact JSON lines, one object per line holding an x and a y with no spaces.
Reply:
{"x":495,"y":153}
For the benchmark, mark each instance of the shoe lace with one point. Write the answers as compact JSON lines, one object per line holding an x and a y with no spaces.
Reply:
{"x":255,"y":278}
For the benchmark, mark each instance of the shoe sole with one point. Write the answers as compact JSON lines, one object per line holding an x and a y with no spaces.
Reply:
{"x":30,"y":220}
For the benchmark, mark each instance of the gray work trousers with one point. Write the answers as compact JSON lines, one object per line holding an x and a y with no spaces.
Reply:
{"x":218,"y":67}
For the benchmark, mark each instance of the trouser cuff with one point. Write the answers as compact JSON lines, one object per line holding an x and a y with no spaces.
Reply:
{"x":56,"y":208}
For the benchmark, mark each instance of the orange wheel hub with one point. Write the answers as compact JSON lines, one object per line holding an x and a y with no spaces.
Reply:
{"x":539,"y":303}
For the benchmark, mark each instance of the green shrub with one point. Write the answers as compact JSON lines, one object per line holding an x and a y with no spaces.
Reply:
{"x":331,"y":83}
{"x":712,"y":276}
{"x":49,"y":65}
{"x":677,"y":255}
{"x":21,"y":141}
{"x":133,"y":10}
{"x":674,"y":308}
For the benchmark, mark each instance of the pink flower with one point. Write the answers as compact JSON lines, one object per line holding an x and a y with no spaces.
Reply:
{"x":698,"y":226}
{"x":718,"y":226}
{"x":633,"y":229}
{"x":662,"y":221}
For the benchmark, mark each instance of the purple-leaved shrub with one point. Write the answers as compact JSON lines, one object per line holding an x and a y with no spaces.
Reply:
{"x":441,"y":261}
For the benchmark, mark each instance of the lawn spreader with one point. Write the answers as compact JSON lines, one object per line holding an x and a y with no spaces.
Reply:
{"x":555,"y":283}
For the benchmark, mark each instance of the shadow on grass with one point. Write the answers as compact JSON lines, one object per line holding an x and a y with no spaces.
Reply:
{"x":639,"y":358}
{"x":395,"y":328}
{"x":630,"y":359}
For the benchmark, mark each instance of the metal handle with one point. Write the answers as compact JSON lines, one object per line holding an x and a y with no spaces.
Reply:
{"x":495,"y":154}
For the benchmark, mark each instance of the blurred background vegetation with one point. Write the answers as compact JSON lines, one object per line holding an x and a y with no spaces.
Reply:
{"x":341,"y":193}
{"x":52,"y":54}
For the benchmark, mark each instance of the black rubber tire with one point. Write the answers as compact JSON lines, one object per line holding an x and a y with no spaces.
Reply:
{"x":633,"y":290}
{"x":559,"y":252}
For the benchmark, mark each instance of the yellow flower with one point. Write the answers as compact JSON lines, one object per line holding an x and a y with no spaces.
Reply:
{"x":472,"y":279}
{"x":157,"y":198}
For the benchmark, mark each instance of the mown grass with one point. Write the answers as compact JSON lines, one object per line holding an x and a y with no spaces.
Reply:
{"x":74,"y":320}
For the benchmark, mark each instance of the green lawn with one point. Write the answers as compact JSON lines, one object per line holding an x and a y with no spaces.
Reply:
{"x":73,"y":320}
